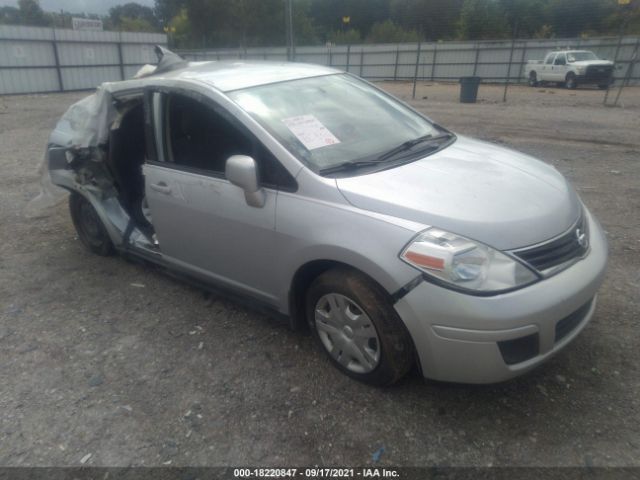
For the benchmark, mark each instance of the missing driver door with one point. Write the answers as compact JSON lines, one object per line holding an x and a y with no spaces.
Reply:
{"x":202,"y":221}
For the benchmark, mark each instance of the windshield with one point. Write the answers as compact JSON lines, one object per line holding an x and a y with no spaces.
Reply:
{"x":581,"y":56}
{"x":332,"y":120}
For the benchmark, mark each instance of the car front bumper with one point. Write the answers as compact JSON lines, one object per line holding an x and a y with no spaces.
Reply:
{"x":472,"y":339}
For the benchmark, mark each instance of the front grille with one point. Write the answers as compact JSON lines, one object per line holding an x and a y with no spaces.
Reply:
{"x":572,"y":244}
{"x":598,"y":72}
{"x":565,"y":326}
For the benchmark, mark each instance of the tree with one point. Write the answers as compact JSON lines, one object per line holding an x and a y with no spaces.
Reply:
{"x":348,"y":37}
{"x":30,"y":13}
{"x":525,"y":18}
{"x":9,"y":15}
{"x":482,"y":20}
{"x":328,"y":14}
{"x":389,"y":32}
{"x":130,"y":16}
{"x":569,"y":18}
{"x":433,"y":19}
{"x":166,"y":10}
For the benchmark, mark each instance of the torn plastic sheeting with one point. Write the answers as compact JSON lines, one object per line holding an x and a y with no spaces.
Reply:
{"x":49,"y":195}
{"x":86,"y":123}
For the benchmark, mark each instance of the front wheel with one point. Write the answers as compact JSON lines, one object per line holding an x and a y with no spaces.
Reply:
{"x":353,"y":321}
{"x":533,"y":79}
{"x":90,"y":229}
{"x":570,"y":81}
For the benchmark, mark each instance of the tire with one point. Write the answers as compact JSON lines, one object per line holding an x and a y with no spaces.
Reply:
{"x":570,"y":81}
{"x":352,"y":319}
{"x":89,"y":227}
{"x":603,"y":86}
{"x":533,"y":79}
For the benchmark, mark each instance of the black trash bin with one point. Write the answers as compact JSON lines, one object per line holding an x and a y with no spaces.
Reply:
{"x":469,"y":89}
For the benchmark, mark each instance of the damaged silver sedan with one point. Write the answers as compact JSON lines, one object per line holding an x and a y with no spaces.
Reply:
{"x":324,"y":199}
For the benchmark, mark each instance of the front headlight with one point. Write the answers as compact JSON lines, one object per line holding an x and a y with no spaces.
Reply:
{"x":465,"y":264}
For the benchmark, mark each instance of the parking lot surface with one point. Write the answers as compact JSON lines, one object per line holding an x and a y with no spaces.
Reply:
{"x":111,"y":363}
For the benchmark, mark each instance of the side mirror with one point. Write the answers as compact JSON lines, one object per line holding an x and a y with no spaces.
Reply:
{"x":242,"y":171}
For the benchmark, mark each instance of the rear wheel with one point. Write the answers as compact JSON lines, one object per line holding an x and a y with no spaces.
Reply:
{"x":603,"y":86}
{"x":353,"y":321}
{"x":570,"y":81}
{"x":533,"y":79}
{"x":90,"y":229}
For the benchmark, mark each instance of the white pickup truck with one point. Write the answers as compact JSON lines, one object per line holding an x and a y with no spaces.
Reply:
{"x":570,"y":67}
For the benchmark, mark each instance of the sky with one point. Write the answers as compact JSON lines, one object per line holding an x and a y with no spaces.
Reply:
{"x":77,"y":6}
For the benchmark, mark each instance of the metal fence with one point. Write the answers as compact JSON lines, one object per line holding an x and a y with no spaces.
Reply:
{"x":52,"y":60}
{"x":56,"y":60}
{"x":494,"y":61}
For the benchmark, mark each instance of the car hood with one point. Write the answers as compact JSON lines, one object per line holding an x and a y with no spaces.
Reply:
{"x":489,"y":193}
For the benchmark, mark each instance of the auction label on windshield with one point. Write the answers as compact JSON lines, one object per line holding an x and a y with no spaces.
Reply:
{"x":310,"y":131}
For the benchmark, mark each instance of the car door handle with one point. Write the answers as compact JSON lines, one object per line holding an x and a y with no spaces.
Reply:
{"x":161,"y":187}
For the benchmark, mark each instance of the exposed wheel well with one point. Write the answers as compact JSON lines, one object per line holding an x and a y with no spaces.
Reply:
{"x":301,"y":281}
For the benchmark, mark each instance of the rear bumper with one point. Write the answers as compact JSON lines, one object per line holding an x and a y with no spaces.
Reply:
{"x":470,"y":339}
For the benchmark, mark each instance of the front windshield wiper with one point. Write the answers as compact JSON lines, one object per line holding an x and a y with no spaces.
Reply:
{"x":349,"y":166}
{"x":409,"y":144}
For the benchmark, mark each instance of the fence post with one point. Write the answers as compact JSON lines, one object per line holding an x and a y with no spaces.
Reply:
{"x":395,"y":68}
{"x":433,"y":64}
{"x":630,"y":67}
{"x":330,"y":56}
{"x":615,"y":59}
{"x":348,"y":56}
{"x":522,"y":57}
{"x":475,"y":62}
{"x":57,"y":60}
{"x":506,"y":82}
{"x":415,"y":73}
{"x":361,"y":59}
{"x":120,"y":58}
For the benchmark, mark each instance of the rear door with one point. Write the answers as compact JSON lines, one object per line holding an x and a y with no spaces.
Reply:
{"x":202,"y":221}
{"x":547,"y":68}
{"x":560,"y":67}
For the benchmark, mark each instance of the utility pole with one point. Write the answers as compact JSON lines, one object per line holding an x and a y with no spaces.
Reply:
{"x":290,"y":42}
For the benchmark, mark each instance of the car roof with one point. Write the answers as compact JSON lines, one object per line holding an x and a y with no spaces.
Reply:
{"x":570,"y":51}
{"x":233,"y":75}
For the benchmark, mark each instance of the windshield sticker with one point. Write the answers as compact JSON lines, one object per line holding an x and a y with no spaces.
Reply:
{"x":310,"y":131}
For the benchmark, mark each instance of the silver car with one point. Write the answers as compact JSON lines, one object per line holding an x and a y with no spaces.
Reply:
{"x":320,"y":197}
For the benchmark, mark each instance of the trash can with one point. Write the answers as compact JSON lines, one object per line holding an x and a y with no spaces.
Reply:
{"x":469,"y":89}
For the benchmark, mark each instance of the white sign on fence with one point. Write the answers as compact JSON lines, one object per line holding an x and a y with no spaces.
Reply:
{"x":86,"y":24}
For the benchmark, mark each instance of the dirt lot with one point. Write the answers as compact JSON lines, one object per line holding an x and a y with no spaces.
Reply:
{"x":104,"y":357}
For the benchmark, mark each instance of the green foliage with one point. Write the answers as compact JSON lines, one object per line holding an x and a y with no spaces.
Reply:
{"x":389,"y":32}
{"x":132,"y":16}
{"x":30,"y":13}
{"x":9,"y":15}
{"x":347,"y":37}
{"x":433,"y":19}
{"x":247,"y":23}
{"x":482,"y":20}
{"x":166,"y":10}
{"x":128,"y":24}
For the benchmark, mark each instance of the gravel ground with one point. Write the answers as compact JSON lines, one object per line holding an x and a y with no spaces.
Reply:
{"x":115,"y":364}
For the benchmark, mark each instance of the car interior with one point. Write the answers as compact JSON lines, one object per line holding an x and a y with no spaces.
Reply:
{"x":198,"y":138}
